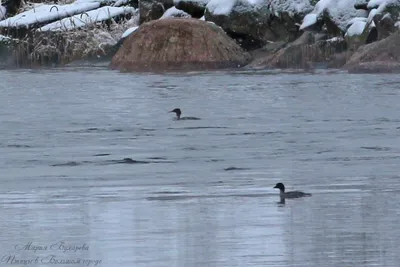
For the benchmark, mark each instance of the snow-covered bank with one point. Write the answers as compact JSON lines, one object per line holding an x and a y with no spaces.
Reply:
{"x":278,"y":28}
{"x":87,"y":18}
{"x":44,"y":13}
{"x":59,"y":34}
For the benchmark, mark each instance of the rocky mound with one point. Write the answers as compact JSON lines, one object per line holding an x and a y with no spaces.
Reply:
{"x":381,"y":56}
{"x":174,"y":44}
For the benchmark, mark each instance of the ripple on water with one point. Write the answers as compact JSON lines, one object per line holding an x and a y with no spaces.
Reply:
{"x":110,"y":162}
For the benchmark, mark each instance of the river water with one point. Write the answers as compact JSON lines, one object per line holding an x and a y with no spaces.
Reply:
{"x":95,"y":172}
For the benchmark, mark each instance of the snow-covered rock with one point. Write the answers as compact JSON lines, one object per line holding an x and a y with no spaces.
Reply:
{"x":195,"y":8}
{"x":361,"y":31}
{"x":385,"y":15}
{"x":335,"y":14}
{"x":173,"y":12}
{"x":380,"y":56}
{"x":292,"y":7}
{"x":250,"y":22}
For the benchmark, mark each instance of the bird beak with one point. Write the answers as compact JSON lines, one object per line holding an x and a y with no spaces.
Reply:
{"x":275,"y":186}
{"x":170,"y":111}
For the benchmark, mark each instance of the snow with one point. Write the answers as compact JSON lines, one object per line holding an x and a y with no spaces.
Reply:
{"x":382,"y":4}
{"x":2,"y":11}
{"x":174,"y":12}
{"x":309,"y":19}
{"x":397,"y":24}
{"x":87,"y":18}
{"x":335,"y":39}
{"x":202,"y":18}
{"x":371,"y":15}
{"x":221,"y":7}
{"x":43,"y":13}
{"x":356,"y":28}
{"x":4,"y":38}
{"x":292,"y":6}
{"x":129,"y":31}
{"x":224,"y":7}
{"x":121,"y":2}
{"x":340,"y":12}
{"x":375,"y":3}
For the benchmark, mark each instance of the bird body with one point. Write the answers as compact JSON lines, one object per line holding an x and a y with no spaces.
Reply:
{"x":291,"y":194}
{"x":178,"y":113}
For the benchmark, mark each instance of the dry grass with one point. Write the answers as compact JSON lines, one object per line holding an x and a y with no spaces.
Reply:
{"x":63,"y":47}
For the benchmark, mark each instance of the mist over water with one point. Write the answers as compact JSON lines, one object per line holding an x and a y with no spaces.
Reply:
{"x":96,"y":171}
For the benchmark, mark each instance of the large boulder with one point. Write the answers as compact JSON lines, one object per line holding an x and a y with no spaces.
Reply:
{"x":153,"y":9}
{"x":256,"y":23}
{"x":174,"y":44}
{"x":380,"y":56}
{"x":243,"y":21}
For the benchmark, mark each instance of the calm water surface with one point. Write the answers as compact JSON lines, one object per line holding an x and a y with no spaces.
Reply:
{"x":95,"y":172}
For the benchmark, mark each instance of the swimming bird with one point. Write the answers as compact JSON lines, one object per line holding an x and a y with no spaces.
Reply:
{"x":178,"y":113}
{"x":291,"y":194}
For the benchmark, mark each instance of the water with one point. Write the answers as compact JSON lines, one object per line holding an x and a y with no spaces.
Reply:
{"x":91,"y":158}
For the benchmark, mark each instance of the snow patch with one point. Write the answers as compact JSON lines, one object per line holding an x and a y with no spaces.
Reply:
{"x":382,"y":4}
{"x":121,"y":2}
{"x":335,"y":39}
{"x":340,"y":12}
{"x":43,"y":13}
{"x":87,"y":18}
{"x":176,"y":13}
{"x":4,"y":38}
{"x":129,"y":31}
{"x":375,"y":3}
{"x":309,"y":19}
{"x":224,"y":7}
{"x":397,"y":24}
{"x":371,"y":15}
{"x":220,"y":7}
{"x":356,"y":28}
